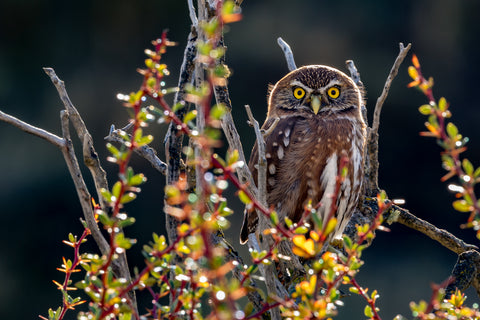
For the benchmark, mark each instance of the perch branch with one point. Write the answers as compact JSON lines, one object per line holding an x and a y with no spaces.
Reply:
{"x":50,"y":137}
{"x":445,"y":238}
{"x":287,"y":51}
{"x":465,"y":273}
{"x":146,"y":152}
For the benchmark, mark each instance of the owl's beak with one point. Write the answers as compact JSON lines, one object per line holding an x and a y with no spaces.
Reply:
{"x":315,"y":103}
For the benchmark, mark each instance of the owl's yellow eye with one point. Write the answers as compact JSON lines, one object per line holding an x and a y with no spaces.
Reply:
{"x":333,"y":92}
{"x":298,"y":93}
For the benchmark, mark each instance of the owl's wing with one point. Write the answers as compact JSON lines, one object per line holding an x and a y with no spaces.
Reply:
{"x":283,"y":128}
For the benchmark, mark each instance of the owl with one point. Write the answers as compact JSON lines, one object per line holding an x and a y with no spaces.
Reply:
{"x":320,"y":122}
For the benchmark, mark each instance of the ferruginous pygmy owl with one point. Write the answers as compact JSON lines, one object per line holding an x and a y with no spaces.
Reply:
{"x":319,"y":109}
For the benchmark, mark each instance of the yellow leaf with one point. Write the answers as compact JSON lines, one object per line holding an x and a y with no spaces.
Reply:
{"x":413,"y":73}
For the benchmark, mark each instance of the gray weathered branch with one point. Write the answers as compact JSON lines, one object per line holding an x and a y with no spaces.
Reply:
{"x":92,"y":161}
{"x":50,"y":137}
{"x":146,"y":152}
{"x":287,"y":51}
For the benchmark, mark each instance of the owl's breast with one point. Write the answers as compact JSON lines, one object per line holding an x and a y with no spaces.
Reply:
{"x":307,"y":156}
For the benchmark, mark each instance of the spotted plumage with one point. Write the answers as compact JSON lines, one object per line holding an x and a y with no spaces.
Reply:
{"x":320,"y":123}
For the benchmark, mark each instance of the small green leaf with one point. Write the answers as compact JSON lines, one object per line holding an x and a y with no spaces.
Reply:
{"x":126,"y":222}
{"x":178,"y":106}
{"x":301,"y":230}
{"x":113,"y":150}
{"x":128,"y":197}
{"x":137,"y":179}
{"x":442,"y":104}
{"x":232,"y":157}
{"x":462,"y":206}
{"x":467,"y":166}
{"x":144,"y":140}
{"x":476,"y":173}
{"x":71,"y":238}
{"x":106,"y":194}
{"x":125,"y":316}
{"x":288,"y":222}
{"x":117,"y":187}
{"x":190,"y":116}
{"x":104,"y":218}
{"x":274,"y":217}
{"x":347,"y":242}
{"x":331,"y":225}
{"x":425,"y":109}
{"x":243,"y":197}
{"x":368,"y":311}
{"x":354,"y":290}
{"x":122,"y":242}
{"x":452,"y":130}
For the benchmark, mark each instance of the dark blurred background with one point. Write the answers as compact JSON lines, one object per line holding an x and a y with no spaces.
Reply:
{"x":95,"y":47}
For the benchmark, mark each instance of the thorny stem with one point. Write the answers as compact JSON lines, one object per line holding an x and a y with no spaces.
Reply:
{"x":449,"y":144}
{"x":370,"y":301}
{"x":68,"y":272}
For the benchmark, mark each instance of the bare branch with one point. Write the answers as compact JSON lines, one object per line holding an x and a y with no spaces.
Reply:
{"x":90,"y":156}
{"x":50,"y":137}
{"x":262,"y":160}
{"x":287,"y":51}
{"x":193,"y":16}
{"x":82,"y":191}
{"x":222,"y":96}
{"x":465,"y":273}
{"x":393,"y":73}
{"x":92,"y":161}
{"x":146,"y":152}
{"x":354,"y":74}
{"x":445,"y":238}
{"x":371,"y":169}
{"x":173,"y":138}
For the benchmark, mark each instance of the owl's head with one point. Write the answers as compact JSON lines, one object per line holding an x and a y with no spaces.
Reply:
{"x":314,"y":90}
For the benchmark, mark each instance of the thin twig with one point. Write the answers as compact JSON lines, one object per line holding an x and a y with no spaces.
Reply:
{"x":371,"y":171}
{"x":262,"y":160}
{"x":393,"y":73}
{"x":82,"y":191}
{"x":287,"y":51}
{"x":50,"y":137}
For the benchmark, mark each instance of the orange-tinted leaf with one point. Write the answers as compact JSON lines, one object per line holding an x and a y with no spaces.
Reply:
{"x":415,"y":61}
